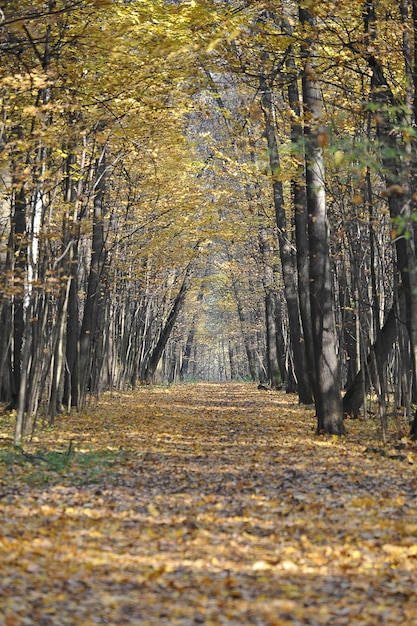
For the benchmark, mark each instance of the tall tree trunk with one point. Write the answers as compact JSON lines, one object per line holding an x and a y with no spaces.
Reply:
{"x":299,"y":199}
{"x":6,"y":321}
{"x":59,"y":353}
{"x":380,"y":372}
{"x":90,"y":323}
{"x":285,"y":248}
{"x":274,"y":372}
{"x":71,"y":388}
{"x":327,"y":390}
{"x":187,"y":351}
{"x":232,"y":360}
{"x":71,"y":237}
{"x":20,"y":255}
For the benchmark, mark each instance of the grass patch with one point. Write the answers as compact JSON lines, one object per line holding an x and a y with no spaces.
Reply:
{"x":44,"y":466}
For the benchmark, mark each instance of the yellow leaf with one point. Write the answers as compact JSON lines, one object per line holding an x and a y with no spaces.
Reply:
{"x":233,"y":34}
{"x":213,"y":44}
{"x":339,"y":156}
{"x":152,"y":510}
{"x":259,"y":566}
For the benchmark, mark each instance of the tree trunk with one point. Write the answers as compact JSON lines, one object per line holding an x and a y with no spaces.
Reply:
{"x":327,"y":390}
{"x":298,"y":193}
{"x":70,"y":397}
{"x":20,"y":254}
{"x":232,"y":360}
{"x":285,"y":249}
{"x":56,"y":393}
{"x":90,"y":323}
{"x":274,"y":373}
{"x":187,"y":352}
{"x":248,"y":348}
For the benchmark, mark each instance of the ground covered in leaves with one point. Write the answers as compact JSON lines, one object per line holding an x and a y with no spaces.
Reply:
{"x":207,"y":504}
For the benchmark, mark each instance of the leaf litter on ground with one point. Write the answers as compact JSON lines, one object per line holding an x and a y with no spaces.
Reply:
{"x":207,"y":504}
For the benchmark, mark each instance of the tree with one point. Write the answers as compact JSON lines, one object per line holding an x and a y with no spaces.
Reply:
{"x":327,"y":388}
{"x":287,"y":257}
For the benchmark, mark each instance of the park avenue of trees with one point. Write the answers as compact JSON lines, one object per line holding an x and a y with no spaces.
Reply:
{"x":213,"y":190}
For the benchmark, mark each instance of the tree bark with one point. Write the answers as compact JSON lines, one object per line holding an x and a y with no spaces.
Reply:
{"x":20,"y":254}
{"x":288,"y":263}
{"x":327,"y":390}
{"x":274,"y":373}
{"x":298,"y":193}
{"x":90,"y":323}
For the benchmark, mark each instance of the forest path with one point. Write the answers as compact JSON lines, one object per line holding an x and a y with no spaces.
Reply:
{"x":206,"y":504}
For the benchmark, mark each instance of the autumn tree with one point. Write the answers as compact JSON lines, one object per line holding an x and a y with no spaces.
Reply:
{"x":327,"y":382}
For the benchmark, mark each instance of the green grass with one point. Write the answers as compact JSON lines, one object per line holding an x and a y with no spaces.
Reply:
{"x":43,"y":466}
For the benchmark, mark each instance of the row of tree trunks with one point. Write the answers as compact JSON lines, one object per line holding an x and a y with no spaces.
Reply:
{"x":400,"y":182}
{"x":156,"y":354}
{"x":184,"y":369}
{"x":355,"y":393}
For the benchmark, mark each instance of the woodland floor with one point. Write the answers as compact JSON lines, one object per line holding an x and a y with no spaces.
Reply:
{"x":207,"y":504}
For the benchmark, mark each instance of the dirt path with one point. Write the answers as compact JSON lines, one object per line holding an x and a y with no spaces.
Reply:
{"x":207,"y":504}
